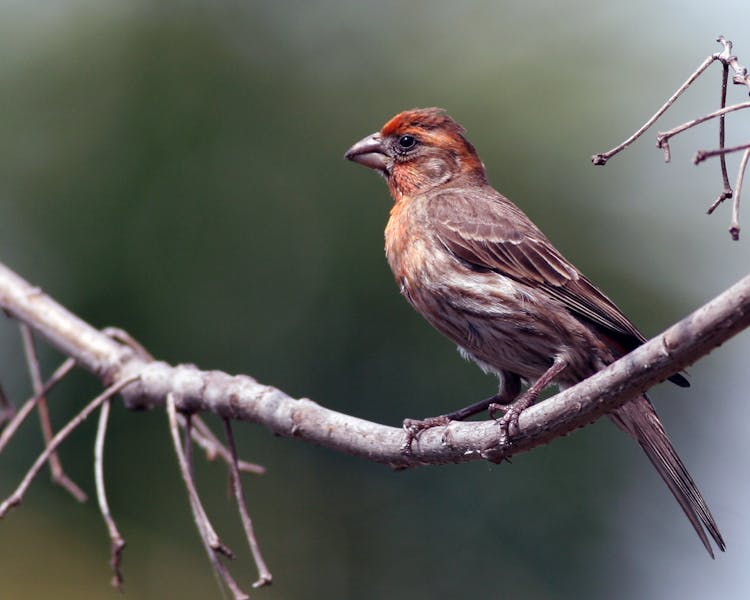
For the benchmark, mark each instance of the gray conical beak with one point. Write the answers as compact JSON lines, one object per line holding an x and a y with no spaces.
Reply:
{"x":370,"y":153}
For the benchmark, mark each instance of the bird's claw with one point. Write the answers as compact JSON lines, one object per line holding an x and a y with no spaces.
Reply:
{"x":508,"y":422}
{"x":495,"y":409}
{"x":415,"y":427}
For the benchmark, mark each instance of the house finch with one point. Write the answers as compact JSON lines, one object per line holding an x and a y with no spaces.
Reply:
{"x":474,"y":265}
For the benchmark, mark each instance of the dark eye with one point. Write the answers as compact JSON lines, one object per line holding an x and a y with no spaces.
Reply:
{"x":406,"y":142}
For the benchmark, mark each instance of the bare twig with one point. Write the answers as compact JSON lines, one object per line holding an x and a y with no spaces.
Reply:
{"x":264,"y":575}
{"x":726,"y":192}
{"x":211,"y":541}
{"x":117,"y":543}
{"x":734,"y":227}
{"x":17,"y":496}
{"x":662,"y":139}
{"x":702,"y":155}
{"x":184,"y":457}
{"x":205,"y":438}
{"x":18,"y":418}
{"x":601,"y":159}
{"x":32,"y":360}
{"x":740,"y":73}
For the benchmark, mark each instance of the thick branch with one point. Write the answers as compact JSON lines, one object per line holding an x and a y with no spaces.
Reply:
{"x":241,"y":397}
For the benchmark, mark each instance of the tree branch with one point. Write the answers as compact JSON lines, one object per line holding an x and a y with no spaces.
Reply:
{"x":15,"y":498}
{"x":242,"y":398}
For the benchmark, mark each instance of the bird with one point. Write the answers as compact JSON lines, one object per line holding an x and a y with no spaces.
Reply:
{"x":485,"y":276}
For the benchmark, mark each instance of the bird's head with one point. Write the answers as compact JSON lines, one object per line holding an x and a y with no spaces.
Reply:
{"x":418,"y":150}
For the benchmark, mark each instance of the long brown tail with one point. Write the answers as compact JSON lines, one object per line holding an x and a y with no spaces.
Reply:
{"x":639,"y":419}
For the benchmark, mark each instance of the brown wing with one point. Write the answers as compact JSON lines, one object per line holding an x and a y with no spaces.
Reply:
{"x":490,"y":232}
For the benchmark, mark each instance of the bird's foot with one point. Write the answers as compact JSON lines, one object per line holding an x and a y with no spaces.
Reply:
{"x":508,"y":422}
{"x":415,"y":427}
{"x":511,"y":413}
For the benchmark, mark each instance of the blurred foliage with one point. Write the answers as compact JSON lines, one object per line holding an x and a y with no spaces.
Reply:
{"x":175,"y":169}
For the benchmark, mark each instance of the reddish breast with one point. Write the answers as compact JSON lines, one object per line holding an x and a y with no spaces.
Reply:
{"x":405,"y":244}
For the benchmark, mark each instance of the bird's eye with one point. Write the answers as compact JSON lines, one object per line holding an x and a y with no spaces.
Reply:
{"x":406,"y":142}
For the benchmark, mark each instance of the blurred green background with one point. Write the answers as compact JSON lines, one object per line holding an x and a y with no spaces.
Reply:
{"x":175,"y":168}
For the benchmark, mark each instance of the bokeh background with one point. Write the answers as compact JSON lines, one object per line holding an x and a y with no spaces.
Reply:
{"x":175,"y":168}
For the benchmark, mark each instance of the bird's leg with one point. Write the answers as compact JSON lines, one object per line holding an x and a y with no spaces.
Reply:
{"x":510,"y":386}
{"x":512,"y":412}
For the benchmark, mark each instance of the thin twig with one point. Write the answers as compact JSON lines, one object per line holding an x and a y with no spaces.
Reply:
{"x":719,"y":199}
{"x":205,"y":438}
{"x":184,"y":457}
{"x":726,"y":192}
{"x":208,"y":536}
{"x":734,"y":227}
{"x":7,"y":433}
{"x":264,"y":575}
{"x":601,"y":159}
{"x":117,"y":543}
{"x":702,"y":155}
{"x":32,"y":360}
{"x":726,"y":57}
{"x":15,"y":498}
{"x":662,"y":139}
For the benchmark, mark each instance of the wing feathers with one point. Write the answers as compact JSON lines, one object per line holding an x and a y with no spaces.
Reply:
{"x":492,"y":233}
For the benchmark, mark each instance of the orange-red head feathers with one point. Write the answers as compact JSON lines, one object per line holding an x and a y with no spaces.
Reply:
{"x":418,"y":150}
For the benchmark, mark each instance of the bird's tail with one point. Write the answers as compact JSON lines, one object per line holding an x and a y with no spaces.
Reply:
{"x":639,"y":419}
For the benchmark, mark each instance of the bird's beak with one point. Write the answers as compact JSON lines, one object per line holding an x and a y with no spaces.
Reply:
{"x":370,"y":153}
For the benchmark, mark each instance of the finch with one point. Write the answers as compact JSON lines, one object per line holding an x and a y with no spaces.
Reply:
{"x":482,"y":274}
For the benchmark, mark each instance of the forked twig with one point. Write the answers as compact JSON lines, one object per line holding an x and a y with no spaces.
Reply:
{"x":202,"y":434}
{"x":740,"y":73}
{"x":264,"y":575}
{"x":18,"y":418}
{"x":662,"y":139}
{"x":117,"y":543}
{"x":211,"y":541}
{"x":728,"y":61}
{"x":32,"y":360}
{"x":17,"y":496}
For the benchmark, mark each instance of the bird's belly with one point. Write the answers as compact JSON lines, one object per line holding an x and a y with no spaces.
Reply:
{"x":504,"y":326}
